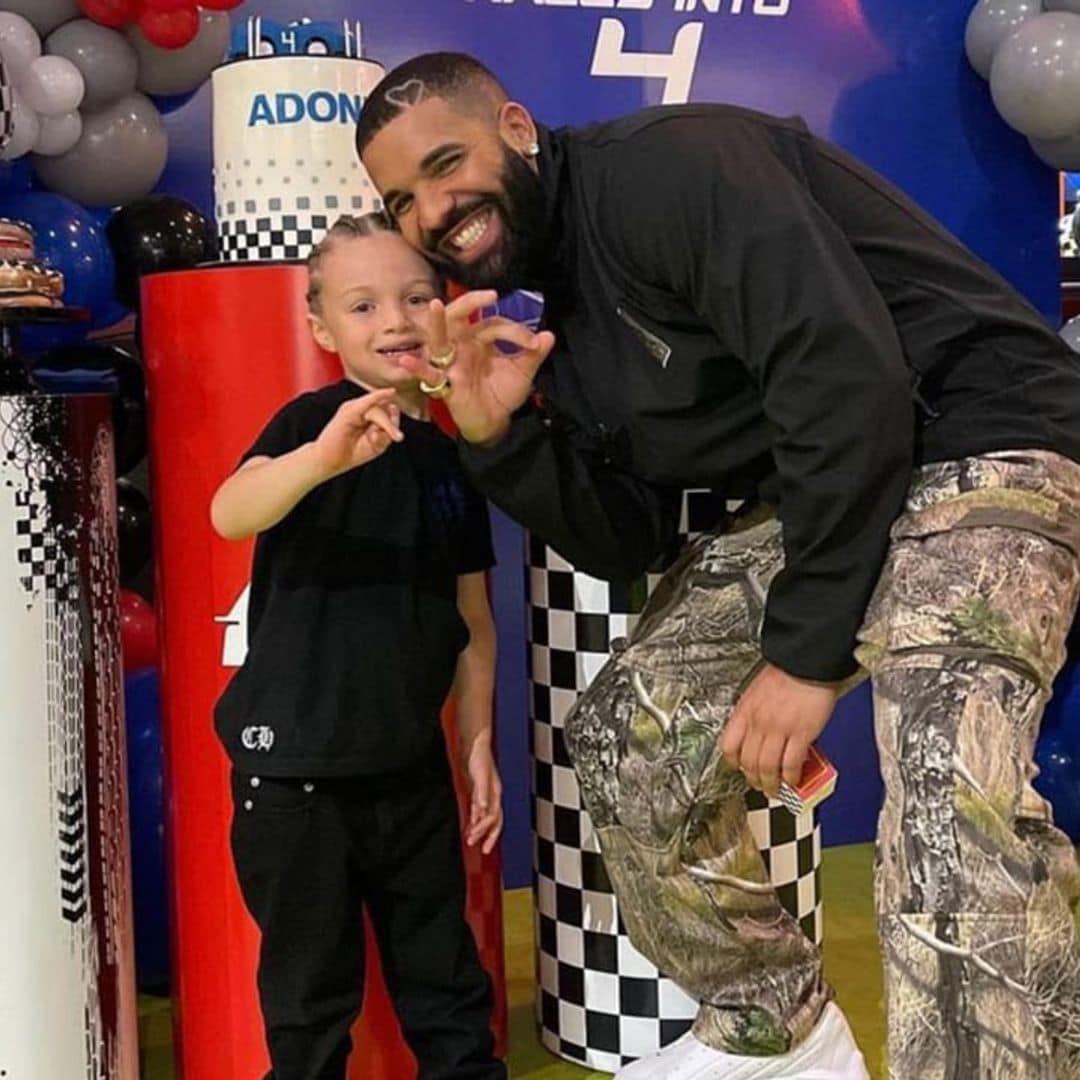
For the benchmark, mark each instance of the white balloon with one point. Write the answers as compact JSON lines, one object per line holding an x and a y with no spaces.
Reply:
{"x":25,"y":130}
{"x":53,"y":86}
{"x":20,"y":45}
{"x":58,"y":134}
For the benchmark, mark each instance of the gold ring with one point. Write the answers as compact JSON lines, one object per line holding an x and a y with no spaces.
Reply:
{"x":439,"y":390}
{"x":444,"y":360}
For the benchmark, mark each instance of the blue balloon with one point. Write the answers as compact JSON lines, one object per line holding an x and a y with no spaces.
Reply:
{"x":114,"y":310}
{"x":70,"y":239}
{"x":146,"y":800}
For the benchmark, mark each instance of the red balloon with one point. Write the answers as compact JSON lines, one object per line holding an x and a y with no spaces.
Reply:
{"x":114,"y":13}
{"x":219,"y":5}
{"x":167,"y":5}
{"x":169,"y":29}
{"x":138,"y":632}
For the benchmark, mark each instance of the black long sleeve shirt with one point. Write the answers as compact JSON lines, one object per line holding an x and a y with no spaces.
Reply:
{"x":740,"y":305}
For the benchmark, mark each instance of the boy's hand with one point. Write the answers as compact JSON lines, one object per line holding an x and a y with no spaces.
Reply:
{"x":485,"y":788}
{"x":359,"y":431}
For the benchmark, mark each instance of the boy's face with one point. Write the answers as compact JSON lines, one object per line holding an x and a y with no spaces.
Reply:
{"x":373,"y":307}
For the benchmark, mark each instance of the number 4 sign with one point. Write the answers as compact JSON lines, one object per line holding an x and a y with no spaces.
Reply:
{"x":675,"y":68}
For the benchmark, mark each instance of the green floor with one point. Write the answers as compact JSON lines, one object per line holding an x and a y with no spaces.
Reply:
{"x":851,"y":965}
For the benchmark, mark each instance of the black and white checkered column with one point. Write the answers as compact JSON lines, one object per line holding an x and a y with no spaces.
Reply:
{"x":601,"y":1003}
{"x":7,"y":107}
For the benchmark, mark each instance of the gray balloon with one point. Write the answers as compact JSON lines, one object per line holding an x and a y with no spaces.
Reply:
{"x":1070,"y":332}
{"x":1063,"y":154}
{"x":990,"y":22}
{"x":176,"y":71}
{"x":44,"y":15}
{"x":1063,"y":5}
{"x":105,"y":58}
{"x":119,"y":157}
{"x":1035,"y":77}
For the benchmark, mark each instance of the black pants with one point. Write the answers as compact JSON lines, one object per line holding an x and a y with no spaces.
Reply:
{"x":310,"y":854}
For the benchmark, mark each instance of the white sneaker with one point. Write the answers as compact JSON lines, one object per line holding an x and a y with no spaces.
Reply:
{"x":829,"y":1052}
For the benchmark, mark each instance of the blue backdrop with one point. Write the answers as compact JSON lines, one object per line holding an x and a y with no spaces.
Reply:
{"x":885,"y":78}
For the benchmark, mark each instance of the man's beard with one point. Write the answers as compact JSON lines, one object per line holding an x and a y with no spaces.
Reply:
{"x":513,"y":261}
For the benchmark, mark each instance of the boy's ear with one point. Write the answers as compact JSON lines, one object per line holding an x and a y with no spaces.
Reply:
{"x":321,"y":334}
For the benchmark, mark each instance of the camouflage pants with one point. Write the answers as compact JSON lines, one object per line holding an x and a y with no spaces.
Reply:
{"x":975,"y":888}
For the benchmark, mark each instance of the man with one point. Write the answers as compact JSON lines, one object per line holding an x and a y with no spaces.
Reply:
{"x":739,"y":305}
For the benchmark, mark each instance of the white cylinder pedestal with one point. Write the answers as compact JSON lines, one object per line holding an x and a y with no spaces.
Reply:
{"x":67,"y":973}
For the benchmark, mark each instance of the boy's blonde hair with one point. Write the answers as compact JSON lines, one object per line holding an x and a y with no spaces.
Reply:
{"x":348,"y":226}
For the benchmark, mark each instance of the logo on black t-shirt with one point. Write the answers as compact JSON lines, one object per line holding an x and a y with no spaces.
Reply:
{"x":258,"y":738}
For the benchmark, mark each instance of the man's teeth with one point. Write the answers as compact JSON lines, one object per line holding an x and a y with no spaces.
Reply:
{"x":465,"y":238}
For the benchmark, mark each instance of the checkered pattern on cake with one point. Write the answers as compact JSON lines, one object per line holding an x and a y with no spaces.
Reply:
{"x":600,"y":1001}
{"x":289,"y":237}
{"x":44,"y":565}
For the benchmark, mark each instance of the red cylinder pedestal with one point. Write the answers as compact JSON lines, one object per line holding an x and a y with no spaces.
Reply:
{"x":224,"y":348}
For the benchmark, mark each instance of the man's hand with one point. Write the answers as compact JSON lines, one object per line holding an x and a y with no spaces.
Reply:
{"x":358,"y":432}
{"x":486,"y":385}
{"x":773,"y":725}
{"x":485,"y":788}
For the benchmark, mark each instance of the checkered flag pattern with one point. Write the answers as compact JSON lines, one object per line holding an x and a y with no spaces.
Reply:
{"x":263,"y":239}
{"x":7,"y":110}
{"x":279,"y":229}
{"x":45,"y":565}
{"x":600,"y":1002}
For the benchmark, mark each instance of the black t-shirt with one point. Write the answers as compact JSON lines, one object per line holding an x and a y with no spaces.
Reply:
{"x":353,"y":625}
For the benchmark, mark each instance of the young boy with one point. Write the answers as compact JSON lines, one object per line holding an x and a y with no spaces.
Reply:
{"x":367,"y":606}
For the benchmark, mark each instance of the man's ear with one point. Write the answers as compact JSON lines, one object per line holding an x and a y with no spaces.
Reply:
{"x":517,"y":128}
